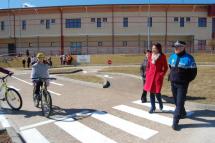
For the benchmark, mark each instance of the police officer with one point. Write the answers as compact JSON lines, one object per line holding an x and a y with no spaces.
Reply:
{"x":182,"y":71}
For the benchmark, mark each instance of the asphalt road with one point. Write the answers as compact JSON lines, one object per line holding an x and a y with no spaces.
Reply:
{"x":90,"y":114}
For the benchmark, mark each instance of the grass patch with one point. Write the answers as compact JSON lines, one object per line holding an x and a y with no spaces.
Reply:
{"x":87,"y":78}
{"x":201,"y":90}
{"x":127,"y":70}
{"x":102,"y":59}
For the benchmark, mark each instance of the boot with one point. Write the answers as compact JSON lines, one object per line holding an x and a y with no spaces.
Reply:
{"x":152,"y":100}
{"x":158,"y":96}
{"x":143,"y":97}
{"x":175,"y":124}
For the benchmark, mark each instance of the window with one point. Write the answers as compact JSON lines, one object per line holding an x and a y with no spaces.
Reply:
{"x":53,"y":21}
{"x":149,"y":22}
{"x":47,"y":23}
{"x":24,"y":24}
{"x":181,"y":21}
{"x":100,"y":44}
{"x":125,"y":43}
{"x":52,"y":44}
{"x":175,"y":19}
{"x":201,"y":44}
{"x":42,"y":22}
{"x":2,"y":25}
{"x":99,"y":22}
{"x":29,"y":44}
{"x":93,"y":20}
{"x":202,"y":22}
{"x":75,"y":48}
{"x":187,"y":19}
{"x":125,"y":22}
{"x":105,"y":19}
{"x":73,"y":23}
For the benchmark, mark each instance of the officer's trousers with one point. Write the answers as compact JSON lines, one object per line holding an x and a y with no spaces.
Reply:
{"x":179,"y":92}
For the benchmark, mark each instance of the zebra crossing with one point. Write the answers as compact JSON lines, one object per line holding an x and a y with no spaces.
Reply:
{"x":85,"y":134}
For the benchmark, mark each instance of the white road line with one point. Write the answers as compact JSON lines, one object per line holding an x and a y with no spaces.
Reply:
{"x":143,"y":114}
{"x":23,"y":80}
{"x":57,"y":83}
{"x":127,"y":126}
{"x":36,"y":125}
{"x":58,"y":94}
{"x":33,"y":136}
{"x":4,"y":121}
{"x":14,"y":88}
{"x":82,"y":113}
{"x":83,"y":133}
{"x":107,"y":76}
{"x":165,"y":107}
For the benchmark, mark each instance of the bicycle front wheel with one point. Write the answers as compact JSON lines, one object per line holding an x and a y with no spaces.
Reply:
{"x":13,"y":99}
{"x":46,"y":103}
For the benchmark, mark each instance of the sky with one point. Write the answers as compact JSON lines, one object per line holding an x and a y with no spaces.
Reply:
{"x":44,"y":3}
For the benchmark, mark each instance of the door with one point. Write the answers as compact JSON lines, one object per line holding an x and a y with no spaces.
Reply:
{"x":11,"y":49}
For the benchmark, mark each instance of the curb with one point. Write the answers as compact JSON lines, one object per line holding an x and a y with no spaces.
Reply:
{"x":75,"y":71}
{"x":12,"y":133}
{"x":14,"y":136}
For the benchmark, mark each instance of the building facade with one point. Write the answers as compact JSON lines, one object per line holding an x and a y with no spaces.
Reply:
{"x":106,"y":29}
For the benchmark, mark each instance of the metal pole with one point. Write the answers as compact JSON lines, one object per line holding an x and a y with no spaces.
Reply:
{"x":148,"y":24}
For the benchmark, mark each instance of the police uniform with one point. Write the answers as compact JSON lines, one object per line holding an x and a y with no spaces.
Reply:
{"x":182,"y":71}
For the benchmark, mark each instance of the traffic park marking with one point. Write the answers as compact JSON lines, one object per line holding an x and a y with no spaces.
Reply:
{"x":58,"y":94}
{"x":127,"y":126}
{"x":144,"y":114}
{"x":33,"y":136}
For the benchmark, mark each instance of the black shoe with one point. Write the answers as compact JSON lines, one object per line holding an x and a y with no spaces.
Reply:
{"x":161,"y":106}
{"x":175,"y":126}
{"x":184,"y":115}
{"x":152,"y":110}
{"x":143,"y":97}
{"x":143,"y":100}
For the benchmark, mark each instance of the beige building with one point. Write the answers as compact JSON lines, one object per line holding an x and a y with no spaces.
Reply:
{"x":106,"y":29}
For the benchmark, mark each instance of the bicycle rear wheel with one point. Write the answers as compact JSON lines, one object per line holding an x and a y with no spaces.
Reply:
{"x":46,"y":104}
{"x":13,"y":99}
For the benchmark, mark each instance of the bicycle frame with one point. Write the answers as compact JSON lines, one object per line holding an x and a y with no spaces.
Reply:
{"x":4,"y":87}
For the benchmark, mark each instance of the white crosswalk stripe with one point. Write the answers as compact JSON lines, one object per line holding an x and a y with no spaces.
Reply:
{"x":127,"y":126}
{"x":143,"y":114}
{"x":165,"y":107}
{"x":82,"y":132}
{"x":33,"y":136}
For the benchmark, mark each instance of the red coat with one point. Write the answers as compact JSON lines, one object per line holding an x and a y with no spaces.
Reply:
{"x":155,"y":74}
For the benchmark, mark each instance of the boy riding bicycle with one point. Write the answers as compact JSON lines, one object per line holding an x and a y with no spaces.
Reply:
{"x":39,"y":70}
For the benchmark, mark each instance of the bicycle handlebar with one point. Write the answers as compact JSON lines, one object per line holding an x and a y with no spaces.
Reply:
{"x":44,"y":78}
{"x":3,"y":78}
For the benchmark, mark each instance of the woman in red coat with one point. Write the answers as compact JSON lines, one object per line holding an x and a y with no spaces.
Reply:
{"x":155,"y":74}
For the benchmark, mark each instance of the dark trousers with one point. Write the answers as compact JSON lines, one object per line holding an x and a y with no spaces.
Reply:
{"x":152,"y":100}
{"x":37,"y":85}
{"x":144,"y":93}
{"x":179,"y":92}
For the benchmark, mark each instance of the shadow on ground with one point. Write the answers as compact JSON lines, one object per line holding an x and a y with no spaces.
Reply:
{"x":58,"y":113}
{"x":205,"y":119}
{"x":188,"y":98}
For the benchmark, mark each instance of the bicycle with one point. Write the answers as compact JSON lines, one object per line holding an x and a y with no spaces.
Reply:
{"x":44,"y":96}
{"x":11,"y":95}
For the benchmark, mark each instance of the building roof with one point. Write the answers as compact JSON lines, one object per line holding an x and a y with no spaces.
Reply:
{"x":50,"y":3}
{"x":104,"y":2}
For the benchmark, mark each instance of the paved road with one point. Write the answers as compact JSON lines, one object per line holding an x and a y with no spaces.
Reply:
{"x":84,"y":113}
